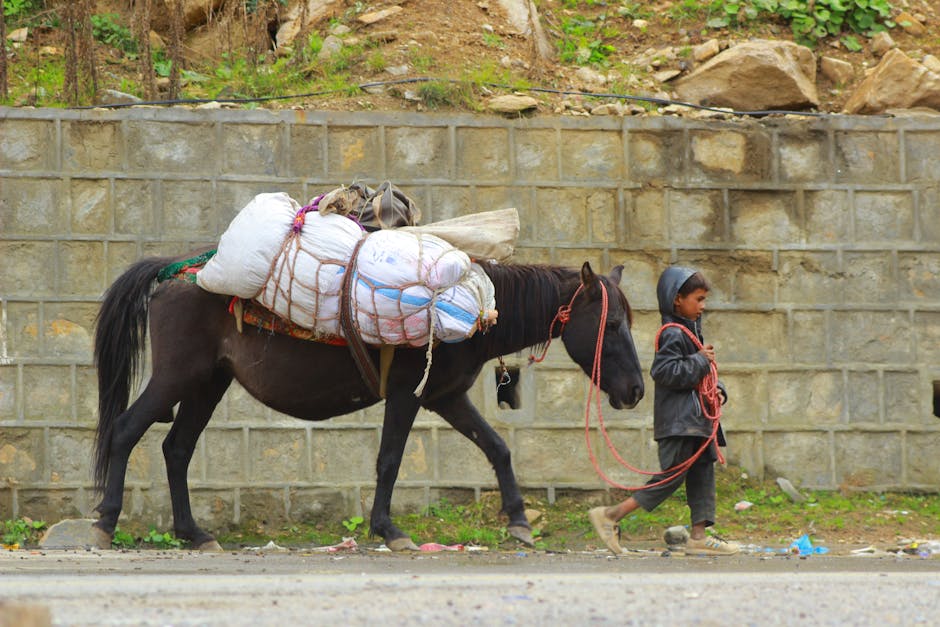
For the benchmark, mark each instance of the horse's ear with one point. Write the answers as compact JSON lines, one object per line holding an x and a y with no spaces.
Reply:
{"x":616,"y":274}
{"x":588,"y":278}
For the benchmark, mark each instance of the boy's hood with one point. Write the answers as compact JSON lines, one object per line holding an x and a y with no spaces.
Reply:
{"x":669,"y":283}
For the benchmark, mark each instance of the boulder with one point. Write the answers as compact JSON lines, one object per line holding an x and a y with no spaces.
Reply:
{"x":294,"y":18}
{"x":836,"y":70}
{"x":932,"y":63}
{"x":524,"y":18}
{"x":897,"y":82}
{"x":881,"y":43}
{"x":195,"y":13}
{"x":74,"y":533}
{"x":910,"y":24}
{"x":705,"y":51}
{"x":377,"y":16}
{"x":756,"y":75}
{"x":512,"y":104}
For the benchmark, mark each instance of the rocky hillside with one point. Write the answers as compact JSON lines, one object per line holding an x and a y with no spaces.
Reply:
{"x":353,"y":55}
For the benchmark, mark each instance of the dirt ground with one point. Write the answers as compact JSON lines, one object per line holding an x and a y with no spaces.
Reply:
{"x":473,"y":39}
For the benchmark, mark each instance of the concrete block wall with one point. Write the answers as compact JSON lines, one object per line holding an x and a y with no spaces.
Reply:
{"x":821,"y":237}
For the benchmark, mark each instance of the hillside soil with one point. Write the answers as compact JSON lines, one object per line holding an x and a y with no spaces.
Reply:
{"x":466,"y":40}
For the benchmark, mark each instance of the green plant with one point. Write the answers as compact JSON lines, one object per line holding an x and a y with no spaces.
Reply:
{"x":107,"y":30}
{"x":376,"y":61}
{"x":164,"y":540}
{"x":442,"y":93}
{"x":635,"y":11}
{"x":421,"y":62}
{"x":353,"y":523}
{"x":851,"y":43}
{"x":123,"y":539}
{"x":811,"y":20}
{"x":492,"y":40}
{"x":19,"y":11}
{"x":161,"y":64}
{"x":344,"y":59}
{"x":582,"y":43}
{"x":20,"y":531}
{"x":313,"y":47}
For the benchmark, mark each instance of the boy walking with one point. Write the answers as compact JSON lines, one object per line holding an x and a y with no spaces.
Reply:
{"x":680,"y":426}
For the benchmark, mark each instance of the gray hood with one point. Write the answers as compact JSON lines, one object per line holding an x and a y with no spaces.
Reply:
{"x":669,"y":283}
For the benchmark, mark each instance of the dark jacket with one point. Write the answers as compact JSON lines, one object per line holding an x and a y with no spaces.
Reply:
{"x":678,"y":368}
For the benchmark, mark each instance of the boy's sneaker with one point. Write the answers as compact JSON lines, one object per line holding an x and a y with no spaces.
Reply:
{"x":607,"y":529}
{"x":711,"y":545}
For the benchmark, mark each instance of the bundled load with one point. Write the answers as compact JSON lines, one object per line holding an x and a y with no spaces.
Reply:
{"x":409,"y":287}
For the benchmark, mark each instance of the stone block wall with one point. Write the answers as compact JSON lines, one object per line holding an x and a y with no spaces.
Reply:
{"x":821,"y":237}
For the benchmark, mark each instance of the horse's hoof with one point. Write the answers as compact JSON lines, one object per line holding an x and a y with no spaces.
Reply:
{"x":102,"y":537}
{"x":402,"y":544}
{"x":522,"y":534}
{"x":210,"y":546}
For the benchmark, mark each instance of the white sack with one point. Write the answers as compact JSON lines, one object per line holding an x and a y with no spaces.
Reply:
{"x":483,"y":235}
{"x":248,"y":246}
{"x":407,"y":281}
{"x":305,"y":280}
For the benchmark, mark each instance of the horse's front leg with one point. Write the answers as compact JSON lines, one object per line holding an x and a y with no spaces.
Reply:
{"x":460,"y":413}
{"x":400,"y":410}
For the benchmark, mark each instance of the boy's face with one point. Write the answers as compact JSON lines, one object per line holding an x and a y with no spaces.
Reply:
{"x":691,"y":305}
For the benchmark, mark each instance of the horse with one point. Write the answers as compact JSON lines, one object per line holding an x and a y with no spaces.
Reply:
{"x":196,"y":352}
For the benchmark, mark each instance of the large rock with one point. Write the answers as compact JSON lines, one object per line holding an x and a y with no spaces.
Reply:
{"x":756,"y":75}
{"x":72,"y":533}
{"x":897,"y":82}
{"x":294,"y":18}
{"x":514,"y":103}
{"x":524,"y":17}
{"x":195,"y":13}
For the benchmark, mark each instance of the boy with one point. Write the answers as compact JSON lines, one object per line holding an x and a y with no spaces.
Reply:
{"x":679,"y":425}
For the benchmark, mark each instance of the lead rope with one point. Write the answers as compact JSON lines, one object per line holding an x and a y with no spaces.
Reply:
{"x":708,"y":396}
{"x":563,"y":316}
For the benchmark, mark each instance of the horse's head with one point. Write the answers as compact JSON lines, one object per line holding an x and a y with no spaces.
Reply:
{"x":621,"y":376}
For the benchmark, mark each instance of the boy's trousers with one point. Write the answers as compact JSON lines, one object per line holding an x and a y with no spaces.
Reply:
{"x":699,"y":478}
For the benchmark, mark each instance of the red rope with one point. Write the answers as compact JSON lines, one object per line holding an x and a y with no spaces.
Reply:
{"x":708,"y":395}
{"x":707,"y":389}
{"x":563,"y":316}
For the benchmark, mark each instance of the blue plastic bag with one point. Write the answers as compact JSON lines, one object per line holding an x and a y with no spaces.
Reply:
{"x":803,"y":546}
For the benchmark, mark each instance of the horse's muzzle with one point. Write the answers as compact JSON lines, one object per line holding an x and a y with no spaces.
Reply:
{"x":630,"y":401}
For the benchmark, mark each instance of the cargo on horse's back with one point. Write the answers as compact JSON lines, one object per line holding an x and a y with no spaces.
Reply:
{"x":197,"y":351}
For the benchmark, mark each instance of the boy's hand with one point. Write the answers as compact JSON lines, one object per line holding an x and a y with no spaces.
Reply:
{"x":709,"y":351}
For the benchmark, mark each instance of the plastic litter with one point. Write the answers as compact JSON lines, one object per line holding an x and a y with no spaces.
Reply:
{"x":922,"y":548}
{"x":803,"y":546}
{"x":434,"y":546}
{"x":269,"y":547}
{"x":740,"y":506}
{"x":345,"y":545}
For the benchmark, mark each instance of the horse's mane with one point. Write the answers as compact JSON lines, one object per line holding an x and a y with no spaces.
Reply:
{"x":527,"y":297}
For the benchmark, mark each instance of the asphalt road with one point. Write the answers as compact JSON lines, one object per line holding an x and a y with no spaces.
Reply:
{"x":511,"y":588}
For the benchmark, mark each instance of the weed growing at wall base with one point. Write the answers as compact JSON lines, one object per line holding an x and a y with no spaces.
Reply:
{"x":19,"y":532}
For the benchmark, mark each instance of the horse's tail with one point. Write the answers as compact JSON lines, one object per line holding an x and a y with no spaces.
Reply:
{"x":120,"y":332}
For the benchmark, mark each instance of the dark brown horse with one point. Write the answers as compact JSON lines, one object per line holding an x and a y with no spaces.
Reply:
{"x":197,"y":351}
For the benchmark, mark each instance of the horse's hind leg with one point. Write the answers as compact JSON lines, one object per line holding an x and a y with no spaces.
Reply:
{"x":129,"y":427}
{"x":460,"y":413}
{"x":178,"y":446}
